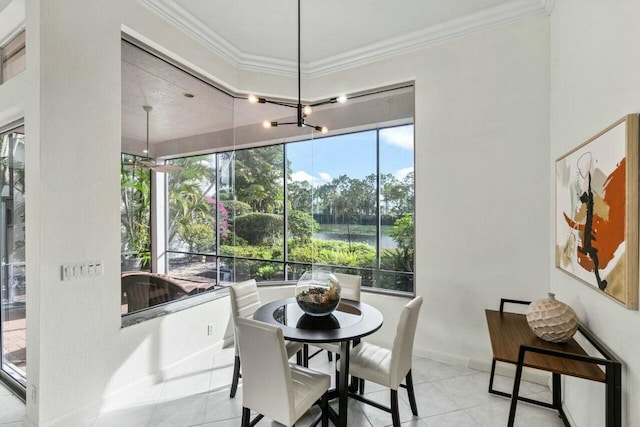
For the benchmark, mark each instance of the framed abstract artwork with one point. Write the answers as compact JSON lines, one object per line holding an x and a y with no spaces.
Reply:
{"x":596,"y":212}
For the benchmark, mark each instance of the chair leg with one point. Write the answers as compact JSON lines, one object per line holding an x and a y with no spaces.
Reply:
{"x":361,"y":386}
{"x":299,"y":356}
{"x":246,"y":417}
{"x":412,"y":396}
{"x":329,"y":355}
{"x":305,"y":356}
{"x":236,"y":377}
{"x":395,"y":413}
{"x":325,"y":410}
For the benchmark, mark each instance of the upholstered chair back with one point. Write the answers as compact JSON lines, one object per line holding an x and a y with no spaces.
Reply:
{"x":350,"y":285}
{"x":266,"y":378}
{"x":403,"y":344}
{"x":245,"y":300}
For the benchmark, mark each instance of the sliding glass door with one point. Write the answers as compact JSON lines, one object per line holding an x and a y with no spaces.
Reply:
{"x":12,"y":251}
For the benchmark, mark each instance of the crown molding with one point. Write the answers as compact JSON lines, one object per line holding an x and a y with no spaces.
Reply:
{"x":189,"y":24}
{"x":548,"y":5}
{"x":454,"y":29}
{"x":192,"y":26}
{"x":486,"y":19}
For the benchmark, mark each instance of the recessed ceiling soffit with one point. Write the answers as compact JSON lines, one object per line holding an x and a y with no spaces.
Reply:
{"x":502,"y":13}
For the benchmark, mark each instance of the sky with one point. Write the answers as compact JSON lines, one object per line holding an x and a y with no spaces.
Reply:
{"x":320,"y":160}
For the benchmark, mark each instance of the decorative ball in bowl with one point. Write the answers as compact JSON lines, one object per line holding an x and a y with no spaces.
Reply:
{"x":318,"y":293}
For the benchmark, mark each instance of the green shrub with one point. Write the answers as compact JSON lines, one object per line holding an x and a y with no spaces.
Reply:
{"x":333,"y":252}
{"x":266,"y":272}
{"x":200,"y":236}
{"x":302,"y":226}
{"x":259,"y":228}
{"x":232,"y":240}
{"x":236,"y":208}
{"x":401,"y":258}
{"x":258,"y":252}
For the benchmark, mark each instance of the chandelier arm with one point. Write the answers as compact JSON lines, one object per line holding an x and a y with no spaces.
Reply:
{"x":283,"y":104}
{"x":328,"y":101}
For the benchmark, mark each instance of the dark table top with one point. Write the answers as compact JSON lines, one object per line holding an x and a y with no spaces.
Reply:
{"x":350,"y":320}
{"x":510,"y":330}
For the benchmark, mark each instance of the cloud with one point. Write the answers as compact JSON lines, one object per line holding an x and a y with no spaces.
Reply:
{"x":325,"y":177}
{"x":301,"y":176}
{"x":401,"y":173}
{"x":401,"y":137}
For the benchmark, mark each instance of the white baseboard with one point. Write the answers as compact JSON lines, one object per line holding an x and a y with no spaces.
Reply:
{"x":505,"y":369}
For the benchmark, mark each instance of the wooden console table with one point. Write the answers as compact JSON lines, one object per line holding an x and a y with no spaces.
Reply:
{"x":514,"y":342}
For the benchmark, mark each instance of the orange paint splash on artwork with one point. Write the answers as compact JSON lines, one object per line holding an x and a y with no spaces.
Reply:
{"x":608,"y":233}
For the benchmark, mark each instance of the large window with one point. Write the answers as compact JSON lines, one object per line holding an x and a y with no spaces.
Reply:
{"x":238,"y":201}
{"x":274,"y":211}
{"x":13,"y":57}
{"x":13,"y":283}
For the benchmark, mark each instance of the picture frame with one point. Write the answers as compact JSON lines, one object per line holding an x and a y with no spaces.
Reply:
{"x":596,"y":212}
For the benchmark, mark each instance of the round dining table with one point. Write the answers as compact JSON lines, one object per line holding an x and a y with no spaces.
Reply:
{"x":350,"y":321}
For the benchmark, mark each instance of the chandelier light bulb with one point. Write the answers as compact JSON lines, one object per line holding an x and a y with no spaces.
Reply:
{"x":324,"y":129}
{"x":145,"y":151}
{"x":266,"y":124}
{"x":253,"y":99}
{"x":342,"y":99}
{"x":307,"y":110}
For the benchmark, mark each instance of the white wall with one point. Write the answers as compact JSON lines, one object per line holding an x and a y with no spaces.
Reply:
{"x":594,"y":81}
{"x":77,"y":351}
{"x":482,"y":181}
{"x":481,"y":124}
{"x":482,"y":187}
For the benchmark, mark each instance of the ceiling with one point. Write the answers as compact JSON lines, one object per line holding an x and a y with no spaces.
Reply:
{"x":262,"y":35}
{"x":188,"y":112}
{"x":149,"y":80}
{"x":4,"y":4}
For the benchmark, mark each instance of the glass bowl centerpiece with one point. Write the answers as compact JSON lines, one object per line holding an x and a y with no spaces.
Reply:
{"x":318,"y":293}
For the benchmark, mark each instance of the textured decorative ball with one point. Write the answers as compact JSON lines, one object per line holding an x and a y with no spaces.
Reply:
{"x":552,"y":320}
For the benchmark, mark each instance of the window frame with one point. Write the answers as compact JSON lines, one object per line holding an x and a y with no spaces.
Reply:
{"x":21,"y":48}
{"x":18,"y":386}
{"x":286,"y":262}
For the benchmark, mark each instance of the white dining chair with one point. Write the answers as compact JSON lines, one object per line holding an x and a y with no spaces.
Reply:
{"x":270,"y":385}
{"x":388,"y":367}
{"x":245,"y":300}
{"x":350,"y":289}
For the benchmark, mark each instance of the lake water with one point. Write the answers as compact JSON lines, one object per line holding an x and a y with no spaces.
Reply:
{"x":385,"y":241}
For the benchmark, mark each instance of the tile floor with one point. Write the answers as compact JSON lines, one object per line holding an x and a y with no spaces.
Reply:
{"x":446,"y":395}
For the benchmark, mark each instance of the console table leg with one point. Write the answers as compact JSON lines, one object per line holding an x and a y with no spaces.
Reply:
{"x":516,"y":388}
{"x":614,"y":395}
{"x":557,"y":391}
{"x":493,"y":372}
{"x":557,"y":398}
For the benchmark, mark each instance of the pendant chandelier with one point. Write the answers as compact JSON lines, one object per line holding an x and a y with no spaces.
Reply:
{"x":302,"y":111}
